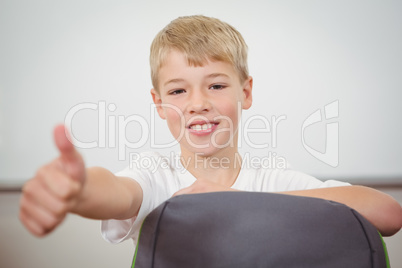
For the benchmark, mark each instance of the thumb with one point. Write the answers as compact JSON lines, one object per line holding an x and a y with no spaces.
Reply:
{"x":63,"y":143}
{"x":70,"y":158}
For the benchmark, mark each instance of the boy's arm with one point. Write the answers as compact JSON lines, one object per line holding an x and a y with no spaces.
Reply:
{"x":384,"y":212}
{"x":106,"y":196}
{"x":64,"y":186}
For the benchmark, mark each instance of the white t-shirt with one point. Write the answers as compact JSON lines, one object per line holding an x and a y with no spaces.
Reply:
{"x":160,"y":177}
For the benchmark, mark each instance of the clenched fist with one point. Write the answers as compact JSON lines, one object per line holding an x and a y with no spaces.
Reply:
{"x":55,"y":189}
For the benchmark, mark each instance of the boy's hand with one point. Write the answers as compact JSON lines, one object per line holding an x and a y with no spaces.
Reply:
{"x":55,"y":189}
{"x":203,"y":186}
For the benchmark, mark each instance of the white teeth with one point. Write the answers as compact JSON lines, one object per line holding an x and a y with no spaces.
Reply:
{"x":201,"y":127}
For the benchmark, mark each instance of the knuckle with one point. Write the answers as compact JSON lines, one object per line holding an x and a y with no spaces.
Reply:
{"x":39,"y":231}
{"x":22,"y":216}
{"x":61,"y":209}
{"x":39,"y":178}
{"x":26,"y":204}
{"x":42,"y":172}
{"x":23,"y":204}
{"x":27,"y":188}
{"x":75,"y":188}
{"x":50,"y":223}
{"x":69,"y":189}
{"x":31,"y":224}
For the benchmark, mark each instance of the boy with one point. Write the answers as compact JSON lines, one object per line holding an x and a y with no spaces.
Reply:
{"x":200,"y":78}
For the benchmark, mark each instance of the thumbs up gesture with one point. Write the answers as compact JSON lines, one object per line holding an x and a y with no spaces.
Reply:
{"x":55,"y":189}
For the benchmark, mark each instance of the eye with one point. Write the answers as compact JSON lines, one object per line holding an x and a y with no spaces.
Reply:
{"x":217,"y":87}
{"x":176,"y":92}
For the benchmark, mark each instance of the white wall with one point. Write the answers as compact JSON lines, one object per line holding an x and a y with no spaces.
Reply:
{"x":304,"y":55}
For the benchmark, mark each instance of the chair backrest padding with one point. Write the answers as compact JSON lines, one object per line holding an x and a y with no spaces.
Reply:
{"x":243,"y":229}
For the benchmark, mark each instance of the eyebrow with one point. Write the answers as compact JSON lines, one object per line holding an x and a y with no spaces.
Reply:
{"x":175,"y":80}
{"x":213,"y":75}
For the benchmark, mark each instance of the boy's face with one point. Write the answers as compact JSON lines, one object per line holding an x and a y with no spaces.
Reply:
{"x":202,"y":104}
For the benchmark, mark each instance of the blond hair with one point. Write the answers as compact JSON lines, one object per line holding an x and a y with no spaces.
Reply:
{"x":200,"y":38}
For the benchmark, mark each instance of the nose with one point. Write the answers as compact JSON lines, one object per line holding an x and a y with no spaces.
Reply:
{"x":199,"y":102}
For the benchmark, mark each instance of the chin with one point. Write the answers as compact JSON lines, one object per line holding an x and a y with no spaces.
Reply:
{"x":209,"y":151}
{"x":207,"y":148}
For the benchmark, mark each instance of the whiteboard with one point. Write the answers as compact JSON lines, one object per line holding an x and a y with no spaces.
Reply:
{"x":327,"y":76}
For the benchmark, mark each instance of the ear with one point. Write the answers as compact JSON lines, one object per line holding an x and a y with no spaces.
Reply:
{"x":158,"y":101}
{"x":247,"y":93}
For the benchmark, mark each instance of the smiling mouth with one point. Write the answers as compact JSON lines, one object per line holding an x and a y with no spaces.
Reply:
{"x":202,"y":127}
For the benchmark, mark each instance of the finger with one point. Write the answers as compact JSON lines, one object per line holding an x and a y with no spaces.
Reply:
{"x":32,"y":226}
{"x":63,"y":142}
{"x":71,"y":159}
{"x":36,"y":225}
{"x":36,"y":218}
{"x":57,"y":182}
{"x":56,"y":203}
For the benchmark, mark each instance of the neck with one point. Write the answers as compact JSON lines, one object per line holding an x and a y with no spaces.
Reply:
{"x":222,"y":168}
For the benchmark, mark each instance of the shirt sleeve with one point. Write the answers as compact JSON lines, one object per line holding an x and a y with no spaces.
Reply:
{"x":260,"y":179}
{"x":154,"y":175}
{"x":290,"y":180}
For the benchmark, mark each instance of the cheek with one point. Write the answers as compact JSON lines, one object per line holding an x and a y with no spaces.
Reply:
{"x":173,"y":113}
{"x":230,"y":110}
{"x":172,"y":110}
{"x":174,"y":119}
